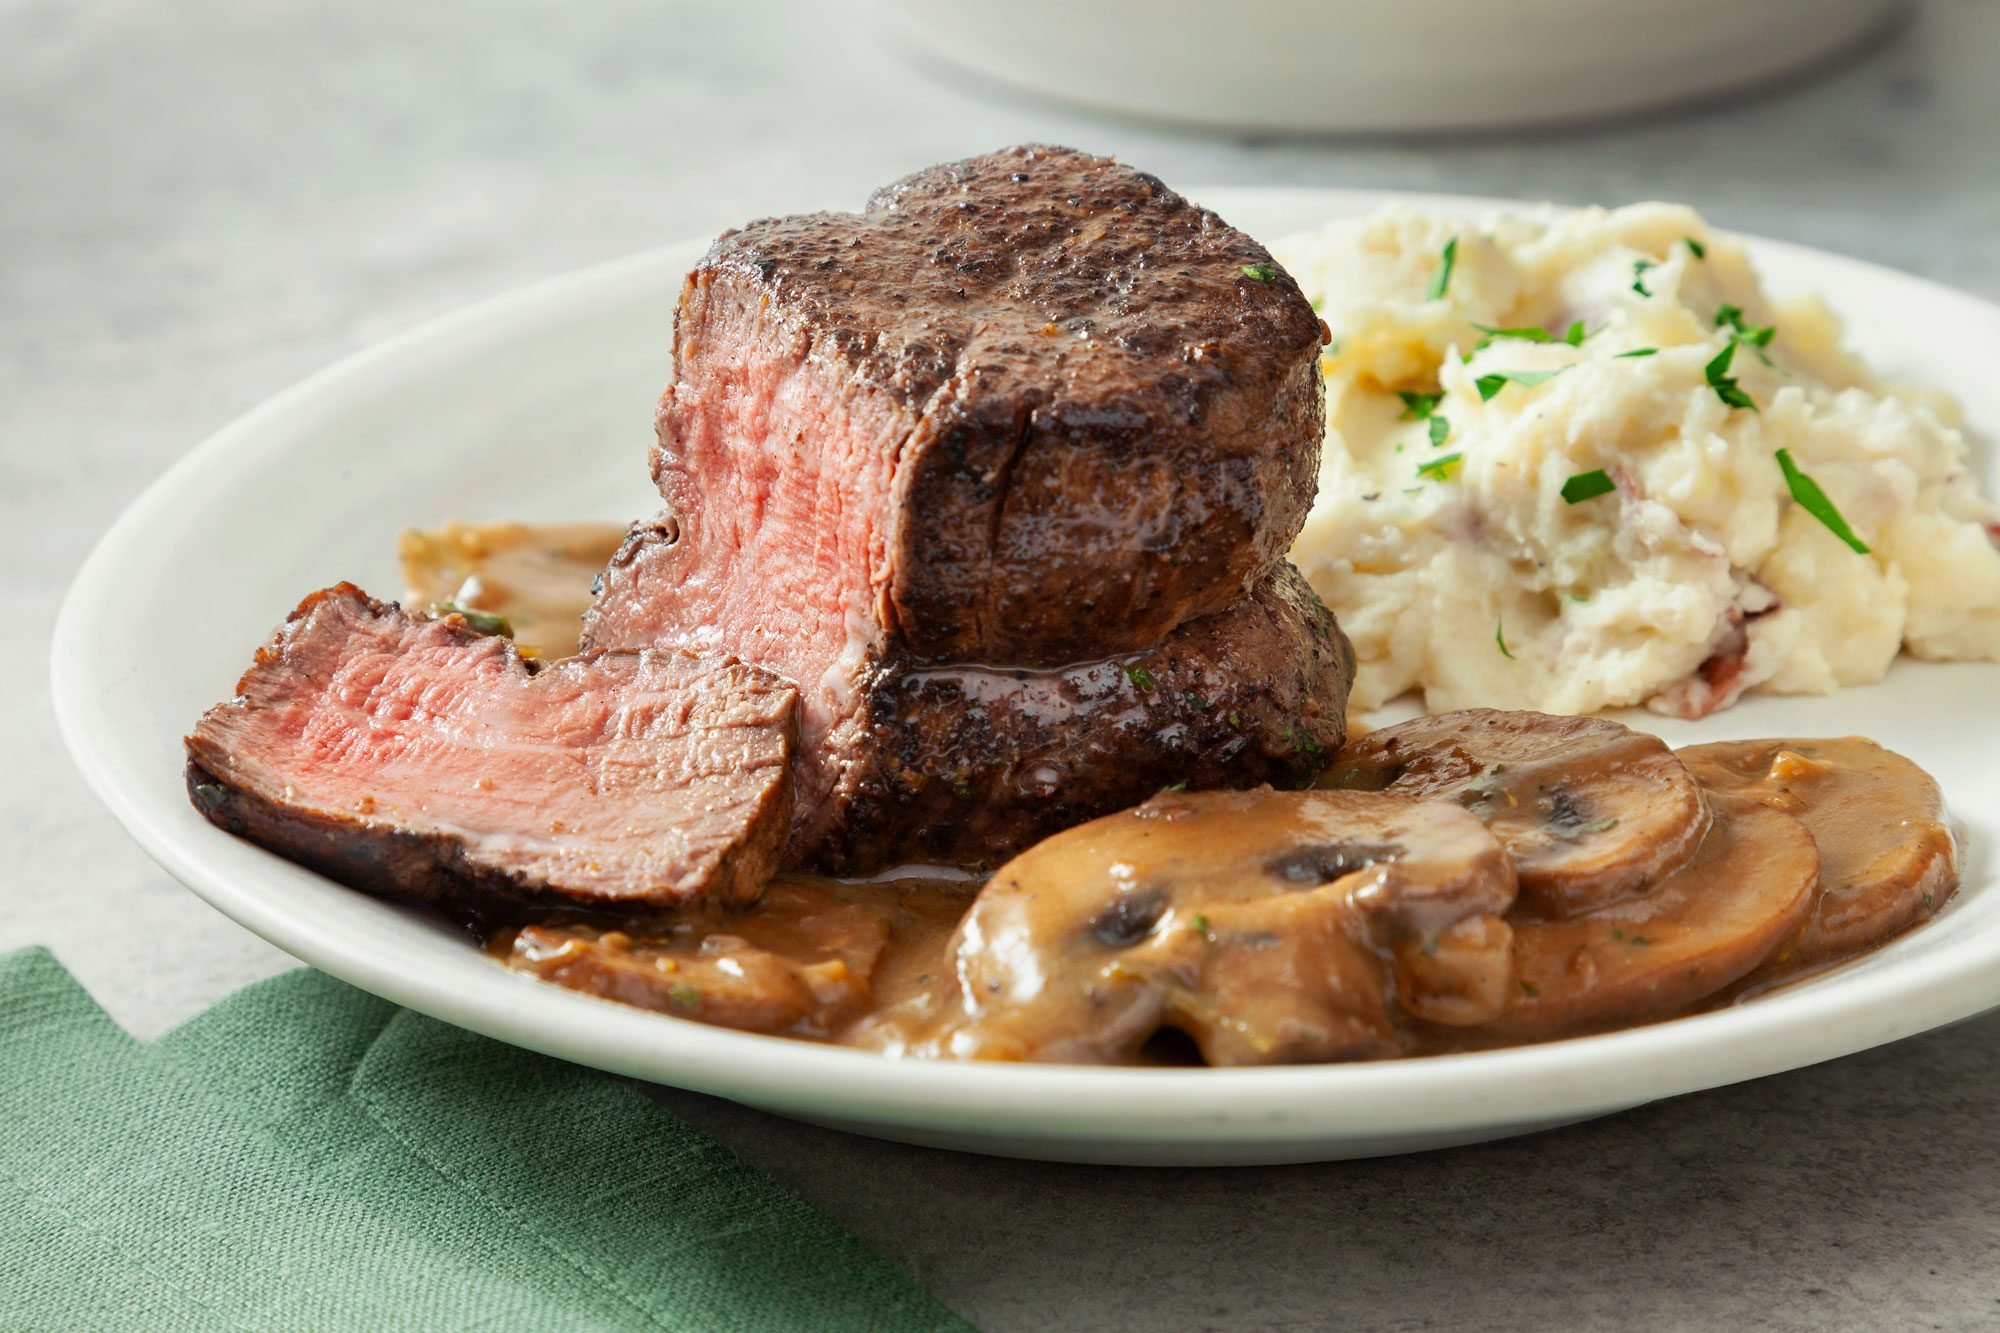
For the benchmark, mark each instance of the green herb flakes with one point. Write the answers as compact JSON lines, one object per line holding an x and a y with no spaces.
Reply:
{"x":1440,"y":431}
{"x":1489,"y":385}
{"x":1695,"y":248}
{"x":1177,"y":786}
{"x":1725,"y":385}
{"x":684,"y":995}
{"x":1524,"y":335}
{"x":1439,"y":468}
{"x":1141,"y":678}
{"x":1637,"y":352}
{"x":1813,"y":500}
{"x":1576,"y":334}
{"x":1441,"y":279}
{"x":1531,"y":990}
{"x":484,"y":622}
{"x":1259,"y":272}
{"x":1756,"y":337}
{"x":1599,"y":826}
{"x":1500,"y":637}
{"x":1639,"y":267}
{"x":1418,"y":406}
{"x":1588,"y":486}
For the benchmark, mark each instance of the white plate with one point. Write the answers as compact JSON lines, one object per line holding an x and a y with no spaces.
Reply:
{"x":539,"y":405}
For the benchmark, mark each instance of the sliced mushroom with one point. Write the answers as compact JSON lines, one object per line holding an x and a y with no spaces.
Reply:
{"x":1592,"y":812}
{"x":1744,"y":897}
{"x":799,"y":963}
{"x":1888,"y":856}
{"x":1266,"y":926}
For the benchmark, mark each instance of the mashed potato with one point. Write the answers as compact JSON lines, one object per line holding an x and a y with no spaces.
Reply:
{"x":1595,"y":511}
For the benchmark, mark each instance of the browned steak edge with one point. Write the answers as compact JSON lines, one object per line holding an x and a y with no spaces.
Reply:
{"x":1256,"y":694}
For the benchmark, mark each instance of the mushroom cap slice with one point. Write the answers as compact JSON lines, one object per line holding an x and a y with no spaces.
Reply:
{"x":1888,"y":855}
{"x":1267,"y":926}
{"x":1591,"y":811}
{"x":1745,"y":896}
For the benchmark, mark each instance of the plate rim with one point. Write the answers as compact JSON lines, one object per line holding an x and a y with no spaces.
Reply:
{"x":1569,"y":1079}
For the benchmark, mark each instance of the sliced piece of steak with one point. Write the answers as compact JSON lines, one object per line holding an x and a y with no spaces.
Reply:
{"x":416,"y":758}
{"x":902,"y":759}
{"x":1032,"y":408}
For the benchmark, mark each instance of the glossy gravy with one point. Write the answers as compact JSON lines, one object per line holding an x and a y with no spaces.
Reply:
{"x":1587,"y":882}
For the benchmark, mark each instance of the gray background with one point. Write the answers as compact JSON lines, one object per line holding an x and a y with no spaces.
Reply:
{"x":201,"y":201}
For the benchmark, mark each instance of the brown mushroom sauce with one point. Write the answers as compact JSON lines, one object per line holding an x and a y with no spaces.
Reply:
{"x":1233,"y":928}
{"x":1463,"y":881}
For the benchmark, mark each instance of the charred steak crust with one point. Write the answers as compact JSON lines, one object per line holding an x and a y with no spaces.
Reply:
{"x":715,"y":736}
{"x":969,"y":765}
{"x":1103,"y":402}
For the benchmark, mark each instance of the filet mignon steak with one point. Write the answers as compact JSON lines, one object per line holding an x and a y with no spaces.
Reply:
{"x":415,"y":758}
{"x":955,"y":463}
{"x":1031,"y":407}
{"x":967,"y":764}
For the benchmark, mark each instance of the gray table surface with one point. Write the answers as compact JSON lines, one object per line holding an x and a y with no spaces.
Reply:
{"x":201,"y":202}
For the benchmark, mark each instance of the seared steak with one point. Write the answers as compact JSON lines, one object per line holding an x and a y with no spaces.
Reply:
{"x":1028,"y":411}
{"x":1029,"y":408}
{"x":417,"y":758}
{"x":967,"y":765}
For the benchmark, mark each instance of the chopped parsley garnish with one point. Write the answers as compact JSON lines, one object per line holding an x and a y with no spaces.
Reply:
{"x":1599,"y":826}
{"x":1440,"y":431}
{"x":1141,"y":678}
{"x":484,"y":622}
{"x":1318,"y":303}
{"x":1441,"y":280}
{"x":1525,"y":335}
{"x":1236,"y":720}
{"x":1418,"y":406}
{"x":1574,"y":336}
{"x":1259,"y":272}
{"x":1201,"y":928}
{"x":1637,"y":351}
{"x":1178,"y":786}
{"x":1754,"y":336}
{"x":1639,"y":940}
{"x":1813,"y":500}
{"x":1531,"y":990}
{"x":1695,"y":248}
{"x":1439,"y":468}
{"x":1725,"y":385}
{"x":214,"y":793}
{"x":1588,"y":486}
{"x":1639,"y":267}
{"x":1930,"y":903}
{"x":1500,"y":637}
{"x":684,"y":995}
{"x":1490,"y":385}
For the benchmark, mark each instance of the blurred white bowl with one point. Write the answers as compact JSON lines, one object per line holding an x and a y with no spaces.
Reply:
{"x":1380,"y":65}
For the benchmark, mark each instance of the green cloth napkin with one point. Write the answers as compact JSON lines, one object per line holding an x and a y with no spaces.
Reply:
{"x":306,"y":1156}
